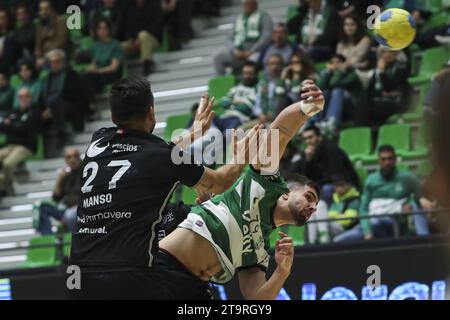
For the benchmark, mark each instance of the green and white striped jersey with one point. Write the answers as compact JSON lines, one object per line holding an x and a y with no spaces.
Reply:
{"x":238,"y":223}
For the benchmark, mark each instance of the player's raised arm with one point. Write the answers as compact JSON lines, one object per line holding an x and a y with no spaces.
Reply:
{"x":289,"y":122}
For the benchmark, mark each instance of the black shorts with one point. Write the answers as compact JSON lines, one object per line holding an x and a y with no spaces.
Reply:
{"x":179,"y":283}
{"x":119,"y":284}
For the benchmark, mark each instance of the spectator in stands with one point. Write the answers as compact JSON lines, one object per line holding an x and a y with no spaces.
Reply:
{"x":346,"y":202}
{"x":342,"y":89}
{"x":143,"y":31}
{"x":108,"y":9}
{"x":65,"y":196}
{"x":28,"y":78}
{"x":6,"y":42}
{"x":279,"y":45}
{"x":238,"y":104}
{"x":6,"y":96}
{"x":21,"y":128}
{"x":51,"y":32}
{"x":62,"y":98}
{"x":271,"y":92}
{"x":387,"y":86}
{"x":322,"y":159}
{"x":251,"y":33}
{"x":107,"y":58}
{"x":299,"y":69}
{"x":178,"y":16}
{"x":387,"y":191}
{"x":316,"y":26}
{"x":25,"y":33}
{"x":354,"y":44}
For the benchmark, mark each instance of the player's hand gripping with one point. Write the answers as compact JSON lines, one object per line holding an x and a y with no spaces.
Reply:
{"x":284,"y":254}
{"x":313,"y":101}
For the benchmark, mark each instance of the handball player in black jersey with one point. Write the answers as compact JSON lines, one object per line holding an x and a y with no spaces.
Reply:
{"x":128,"y":177}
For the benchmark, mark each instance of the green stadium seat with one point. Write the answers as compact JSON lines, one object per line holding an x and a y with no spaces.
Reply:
{"x":15,"y":82}
{"x":356,"y":142}
{"x":291,"y":12}
{"x":415,"y":113}
{"x":40,"y":151}
{"x":437,"y":20}
{"x":179,"y":121}
{"x":397,"y":135}
{"x":218,"y":87}
{"x":402,"y":166}
{"x":432,"y":61}
{"x":67,"y":238}
{"x":321,"y":66}
{"x":420,"y":147}
{"x":164,"y":46}
{"x":298,"y":234}
{"x":434,"y":5}
{"x":424,"y":168}
{"x":42,"y":257}
{"x":188,"y":195}
{"x":363,"y":173}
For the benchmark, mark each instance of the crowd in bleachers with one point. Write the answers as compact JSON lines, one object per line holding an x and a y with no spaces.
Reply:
{"x":379,"y":92}
{"x":63,"y":69}
{"x":366,"y":86}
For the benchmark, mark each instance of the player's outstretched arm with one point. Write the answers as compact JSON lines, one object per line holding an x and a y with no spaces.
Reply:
{"x":253,"y":283}
{"x":220,"y":180}
{"x":290,"y":120}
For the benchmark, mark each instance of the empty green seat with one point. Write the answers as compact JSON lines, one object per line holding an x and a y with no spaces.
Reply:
{"x":42,"y":257}
{"x":274,"y":236}
{"x":356,"y":142}
{"x":363,"y":173}
{"x":415,"y":113}
{"x":292,"y":11}
{"x":396,"y":135}
{"x":175,"y":122}
{"x":432,"y":61}
{"x":218,"y":87}
{"x":424,"y":168}
{"x":188,"y":195}
{"x":40,"y":151}
{"x":67,"y":239}
{"x":297,"y":234}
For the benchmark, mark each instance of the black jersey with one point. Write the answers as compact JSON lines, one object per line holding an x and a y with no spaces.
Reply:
{"x":128,"y":179}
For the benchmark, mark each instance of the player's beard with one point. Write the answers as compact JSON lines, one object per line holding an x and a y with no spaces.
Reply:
{"x":297,"y":215}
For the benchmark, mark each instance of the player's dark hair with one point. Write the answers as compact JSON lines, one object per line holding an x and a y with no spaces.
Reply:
{"x":302,"y":181}
{"x":130,"y":99}
{"x":386,"y":148}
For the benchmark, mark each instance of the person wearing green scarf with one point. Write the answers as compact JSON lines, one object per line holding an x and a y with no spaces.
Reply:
{"x":252,"y":32}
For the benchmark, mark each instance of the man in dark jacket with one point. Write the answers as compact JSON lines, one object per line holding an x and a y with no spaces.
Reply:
{"x":21,"y":128}
{"x":63,"y":99}
{"x":321,"y":160}
{"x":143,"y":30}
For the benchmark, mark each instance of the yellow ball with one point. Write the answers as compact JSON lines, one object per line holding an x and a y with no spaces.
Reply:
{"x":395,"y":28}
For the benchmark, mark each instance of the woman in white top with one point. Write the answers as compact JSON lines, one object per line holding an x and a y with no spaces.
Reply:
{"x":354,"y":44}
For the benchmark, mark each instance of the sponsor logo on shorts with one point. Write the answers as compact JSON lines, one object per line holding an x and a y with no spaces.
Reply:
{"x":199,"y":223}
